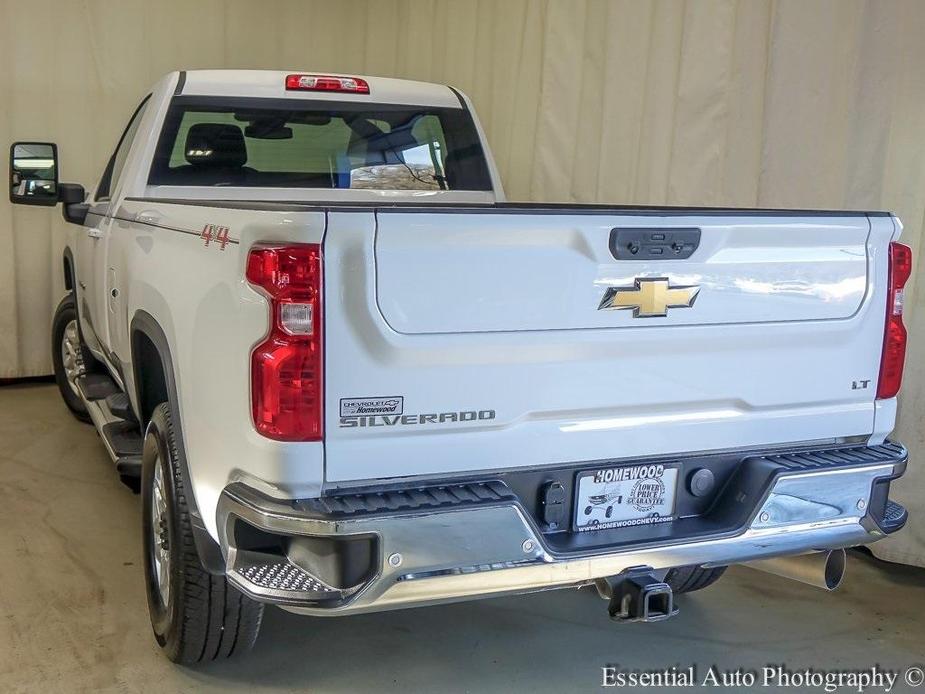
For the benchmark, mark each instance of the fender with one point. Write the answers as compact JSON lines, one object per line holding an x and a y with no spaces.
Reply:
{"x":70,"y":284}
{"x":145,"y":324}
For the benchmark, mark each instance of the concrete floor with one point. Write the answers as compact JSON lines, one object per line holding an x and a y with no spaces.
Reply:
{"x":74,"y":615}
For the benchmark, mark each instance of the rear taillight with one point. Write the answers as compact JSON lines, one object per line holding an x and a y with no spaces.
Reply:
{"x":894,"y":338}
{"x":287,"y":367}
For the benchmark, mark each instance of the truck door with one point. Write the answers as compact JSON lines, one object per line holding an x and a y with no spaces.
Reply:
{"x":85,"y":287}
{"x":100,"y":283}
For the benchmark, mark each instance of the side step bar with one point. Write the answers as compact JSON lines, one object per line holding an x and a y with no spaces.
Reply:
{"x":114,"y":421}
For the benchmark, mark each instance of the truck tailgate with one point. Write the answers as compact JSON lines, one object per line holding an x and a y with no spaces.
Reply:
{"x":478,"y":339}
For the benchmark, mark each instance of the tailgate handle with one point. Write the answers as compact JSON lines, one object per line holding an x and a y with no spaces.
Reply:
{"x":648,"y":243}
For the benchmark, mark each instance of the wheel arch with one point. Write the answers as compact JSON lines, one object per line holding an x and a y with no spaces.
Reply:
{"x":69,"y":282}
{"x":155,"y":382}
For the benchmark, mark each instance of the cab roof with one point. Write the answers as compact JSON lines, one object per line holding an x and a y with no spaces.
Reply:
{"x":272,"y":84}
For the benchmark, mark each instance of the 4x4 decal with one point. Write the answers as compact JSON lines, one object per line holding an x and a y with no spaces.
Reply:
{"x":213,"y":232}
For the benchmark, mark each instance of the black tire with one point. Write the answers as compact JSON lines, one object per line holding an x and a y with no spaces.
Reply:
{"x":687,"y":579}
{"x":65,"y":315}
{"x":205,"y":618}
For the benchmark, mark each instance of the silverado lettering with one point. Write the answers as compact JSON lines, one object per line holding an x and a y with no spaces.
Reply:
{"x":411,"y":419}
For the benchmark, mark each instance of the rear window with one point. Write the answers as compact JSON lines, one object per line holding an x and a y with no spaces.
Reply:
{"x":294,"y":144}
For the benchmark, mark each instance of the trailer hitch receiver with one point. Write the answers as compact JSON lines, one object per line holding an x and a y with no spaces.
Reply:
{"x":638,"y":596}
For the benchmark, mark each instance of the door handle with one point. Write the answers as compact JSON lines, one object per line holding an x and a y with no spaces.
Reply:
{"x":95,"y":233}
{"x":654,"y":243}
{"x":148,"y":217}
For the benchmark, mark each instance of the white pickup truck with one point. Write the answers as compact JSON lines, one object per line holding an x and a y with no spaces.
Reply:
{"x":347,"y":376}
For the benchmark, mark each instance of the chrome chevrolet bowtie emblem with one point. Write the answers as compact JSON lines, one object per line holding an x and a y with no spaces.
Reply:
{"x":649,"y":297}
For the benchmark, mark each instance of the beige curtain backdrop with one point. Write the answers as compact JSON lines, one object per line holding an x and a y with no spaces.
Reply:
{"x":786,"y":103}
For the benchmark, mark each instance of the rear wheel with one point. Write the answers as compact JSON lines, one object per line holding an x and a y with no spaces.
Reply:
{"x":687,"y":579}
{"x":70,"y":357}
{"x":196,"y":616}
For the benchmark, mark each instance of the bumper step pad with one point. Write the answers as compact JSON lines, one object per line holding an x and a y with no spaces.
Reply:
{"x":894,"y":517}
{"x":417,"y":499}
{"x":282,"y":581}
{"x":283,"y":575}
{"x":841,"y":457}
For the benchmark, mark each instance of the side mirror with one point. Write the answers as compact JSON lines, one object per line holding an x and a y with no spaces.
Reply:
{"x":74,"y":208}
{"x":34,"y":173}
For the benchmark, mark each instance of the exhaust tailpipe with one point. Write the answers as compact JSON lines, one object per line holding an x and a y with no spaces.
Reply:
{"x":821,"y":569}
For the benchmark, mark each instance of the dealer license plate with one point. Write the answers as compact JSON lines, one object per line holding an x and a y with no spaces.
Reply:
{"x":616,"y":497}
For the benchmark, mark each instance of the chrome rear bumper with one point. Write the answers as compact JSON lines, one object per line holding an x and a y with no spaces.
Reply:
{"x":493,"y":547}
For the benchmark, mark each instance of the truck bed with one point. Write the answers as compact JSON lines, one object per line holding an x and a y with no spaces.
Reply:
{"x":485,"y":323}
